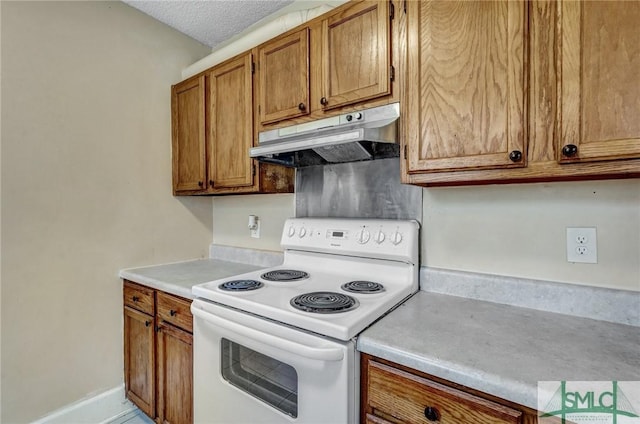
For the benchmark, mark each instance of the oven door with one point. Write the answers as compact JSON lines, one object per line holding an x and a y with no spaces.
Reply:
{"x":251,"y":370}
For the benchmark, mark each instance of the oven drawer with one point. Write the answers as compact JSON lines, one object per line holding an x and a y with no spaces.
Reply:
{"x":410,"y":399}
{"x":175,"y":310}
{"x":138,"y":297}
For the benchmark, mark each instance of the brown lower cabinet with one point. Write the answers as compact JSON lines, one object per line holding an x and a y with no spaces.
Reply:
{"x":158,"y":354}
{"x":391,"y":393}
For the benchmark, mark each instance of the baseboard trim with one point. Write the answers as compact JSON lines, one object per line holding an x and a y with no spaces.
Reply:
{"x":109,"y":407}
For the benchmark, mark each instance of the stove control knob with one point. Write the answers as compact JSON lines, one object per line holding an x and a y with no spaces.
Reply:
{"x":379,"y":237}
{"x":363,"y":236}
{"x":302,"y":232}
{"x":396,"y":238}
{"x":292,"y":231}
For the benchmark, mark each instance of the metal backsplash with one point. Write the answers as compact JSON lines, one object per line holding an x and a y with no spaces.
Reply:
{"x":370,"y":189}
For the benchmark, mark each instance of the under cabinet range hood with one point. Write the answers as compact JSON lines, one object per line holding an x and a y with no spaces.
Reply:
{"x":363,"y":135}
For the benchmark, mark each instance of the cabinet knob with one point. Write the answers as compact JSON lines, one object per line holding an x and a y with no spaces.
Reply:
{"x":301,"y":106}
{"x":515,"y":156}
{"x":135,"y":299}
{"x":172,"y":313}
{"x":570,"y":150}
{"x":211,"y":183}
{"x":147,"y":323}
{"x":200,"y":183}
{"x":324,"y":101}
{"x":431,"y":413}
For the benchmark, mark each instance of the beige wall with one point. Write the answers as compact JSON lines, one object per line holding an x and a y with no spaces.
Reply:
{"x":520,"y":230}
{"x":86,"y":190}
{"x":231,"y":217}
{"x":517,"y":230}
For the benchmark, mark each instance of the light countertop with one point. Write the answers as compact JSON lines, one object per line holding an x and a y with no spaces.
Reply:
{"x":499,"y":349}
{"x":178,"y":278}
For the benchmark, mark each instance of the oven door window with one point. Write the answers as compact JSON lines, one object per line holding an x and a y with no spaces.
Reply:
{"x":266,"y":378}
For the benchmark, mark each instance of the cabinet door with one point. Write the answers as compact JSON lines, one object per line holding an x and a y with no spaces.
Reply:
{"x":465,"y":86}
{"x":284,"y":77}
{"x":139,"y":368}
{"x":599,"y":83}
{"x":356,"y":54}
{"x":175,"y":375}
{"x":188,"y":135}
{"x":231,"y":124}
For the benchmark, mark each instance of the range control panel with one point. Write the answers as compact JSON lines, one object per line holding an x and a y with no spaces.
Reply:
{"x":376,"y":238}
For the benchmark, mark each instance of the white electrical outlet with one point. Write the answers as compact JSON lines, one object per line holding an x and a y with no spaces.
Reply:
{"x":254,"y":226}
{"x":582,"y":245}
{"x":255,"y":232}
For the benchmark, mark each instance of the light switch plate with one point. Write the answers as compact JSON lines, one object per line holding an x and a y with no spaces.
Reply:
{"x":582,"y":245}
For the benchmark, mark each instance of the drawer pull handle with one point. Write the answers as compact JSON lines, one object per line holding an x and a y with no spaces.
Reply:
{"x":172,"y":313}
{"x":431,"y":413}
{"x":147,"y":323}
{"x":136,"y":299}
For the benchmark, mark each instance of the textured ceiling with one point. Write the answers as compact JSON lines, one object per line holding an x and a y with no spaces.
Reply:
{"x":209,"y":21}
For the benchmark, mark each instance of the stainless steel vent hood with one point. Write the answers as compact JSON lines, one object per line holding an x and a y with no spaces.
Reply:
{"x":357,"y":136}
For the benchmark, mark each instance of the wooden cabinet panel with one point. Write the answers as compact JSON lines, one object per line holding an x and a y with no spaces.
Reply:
{"x":398,"y":396}
{"x":188,"y":127}
{"x":175,"y":310}
{"x":139,"y":365}
{"x":599,"y":85}
{"x":406,"y":397}
{"x":465,"y":96}
{"x":336,"y":63}
{"x":356,"y":50}
{"x":372,"y":419}
{"x":231,"y":124}
{"x":138,"y":297}
{"x":284,"y":77}
{"x":158,"y":354}
{"x":175,"y":375}
{"x":581,"y":88}
{"x":215,"y":108}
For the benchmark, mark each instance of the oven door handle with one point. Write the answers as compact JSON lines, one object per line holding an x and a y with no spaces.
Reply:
{"x":315,"y":353}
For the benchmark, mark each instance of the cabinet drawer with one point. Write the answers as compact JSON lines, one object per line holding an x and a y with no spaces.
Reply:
{"x":138,"y":297}
{"x":175,"y":310}
{"x":403,"y":396}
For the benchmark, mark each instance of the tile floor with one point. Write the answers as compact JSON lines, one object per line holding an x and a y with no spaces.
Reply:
{"x":135,"y":417}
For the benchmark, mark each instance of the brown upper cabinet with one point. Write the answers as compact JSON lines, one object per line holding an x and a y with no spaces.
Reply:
{"x":356,"y":54}
{"x":599,"y":88}
{"x":188,"y":127}
{"x":465,"y":100}
{"x":502,"y":91}
{"x":213,"y":130}
{"x":230,"y":124}
{"x":284,"y":77}
{"x":341,"y":59}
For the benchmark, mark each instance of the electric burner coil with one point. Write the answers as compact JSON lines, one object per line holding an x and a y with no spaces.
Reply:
{"x":364,"y":287}
{"x":324,"y":302}
{"x":240,"y":285}
{"x":284,"y":275}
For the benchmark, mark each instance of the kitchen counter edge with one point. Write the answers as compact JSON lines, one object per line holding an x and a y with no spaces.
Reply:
{"x":502,"y":350}
{"x":178,"y":278}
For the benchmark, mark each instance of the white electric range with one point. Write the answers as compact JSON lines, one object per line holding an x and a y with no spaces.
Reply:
{"x":280,"y":341}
